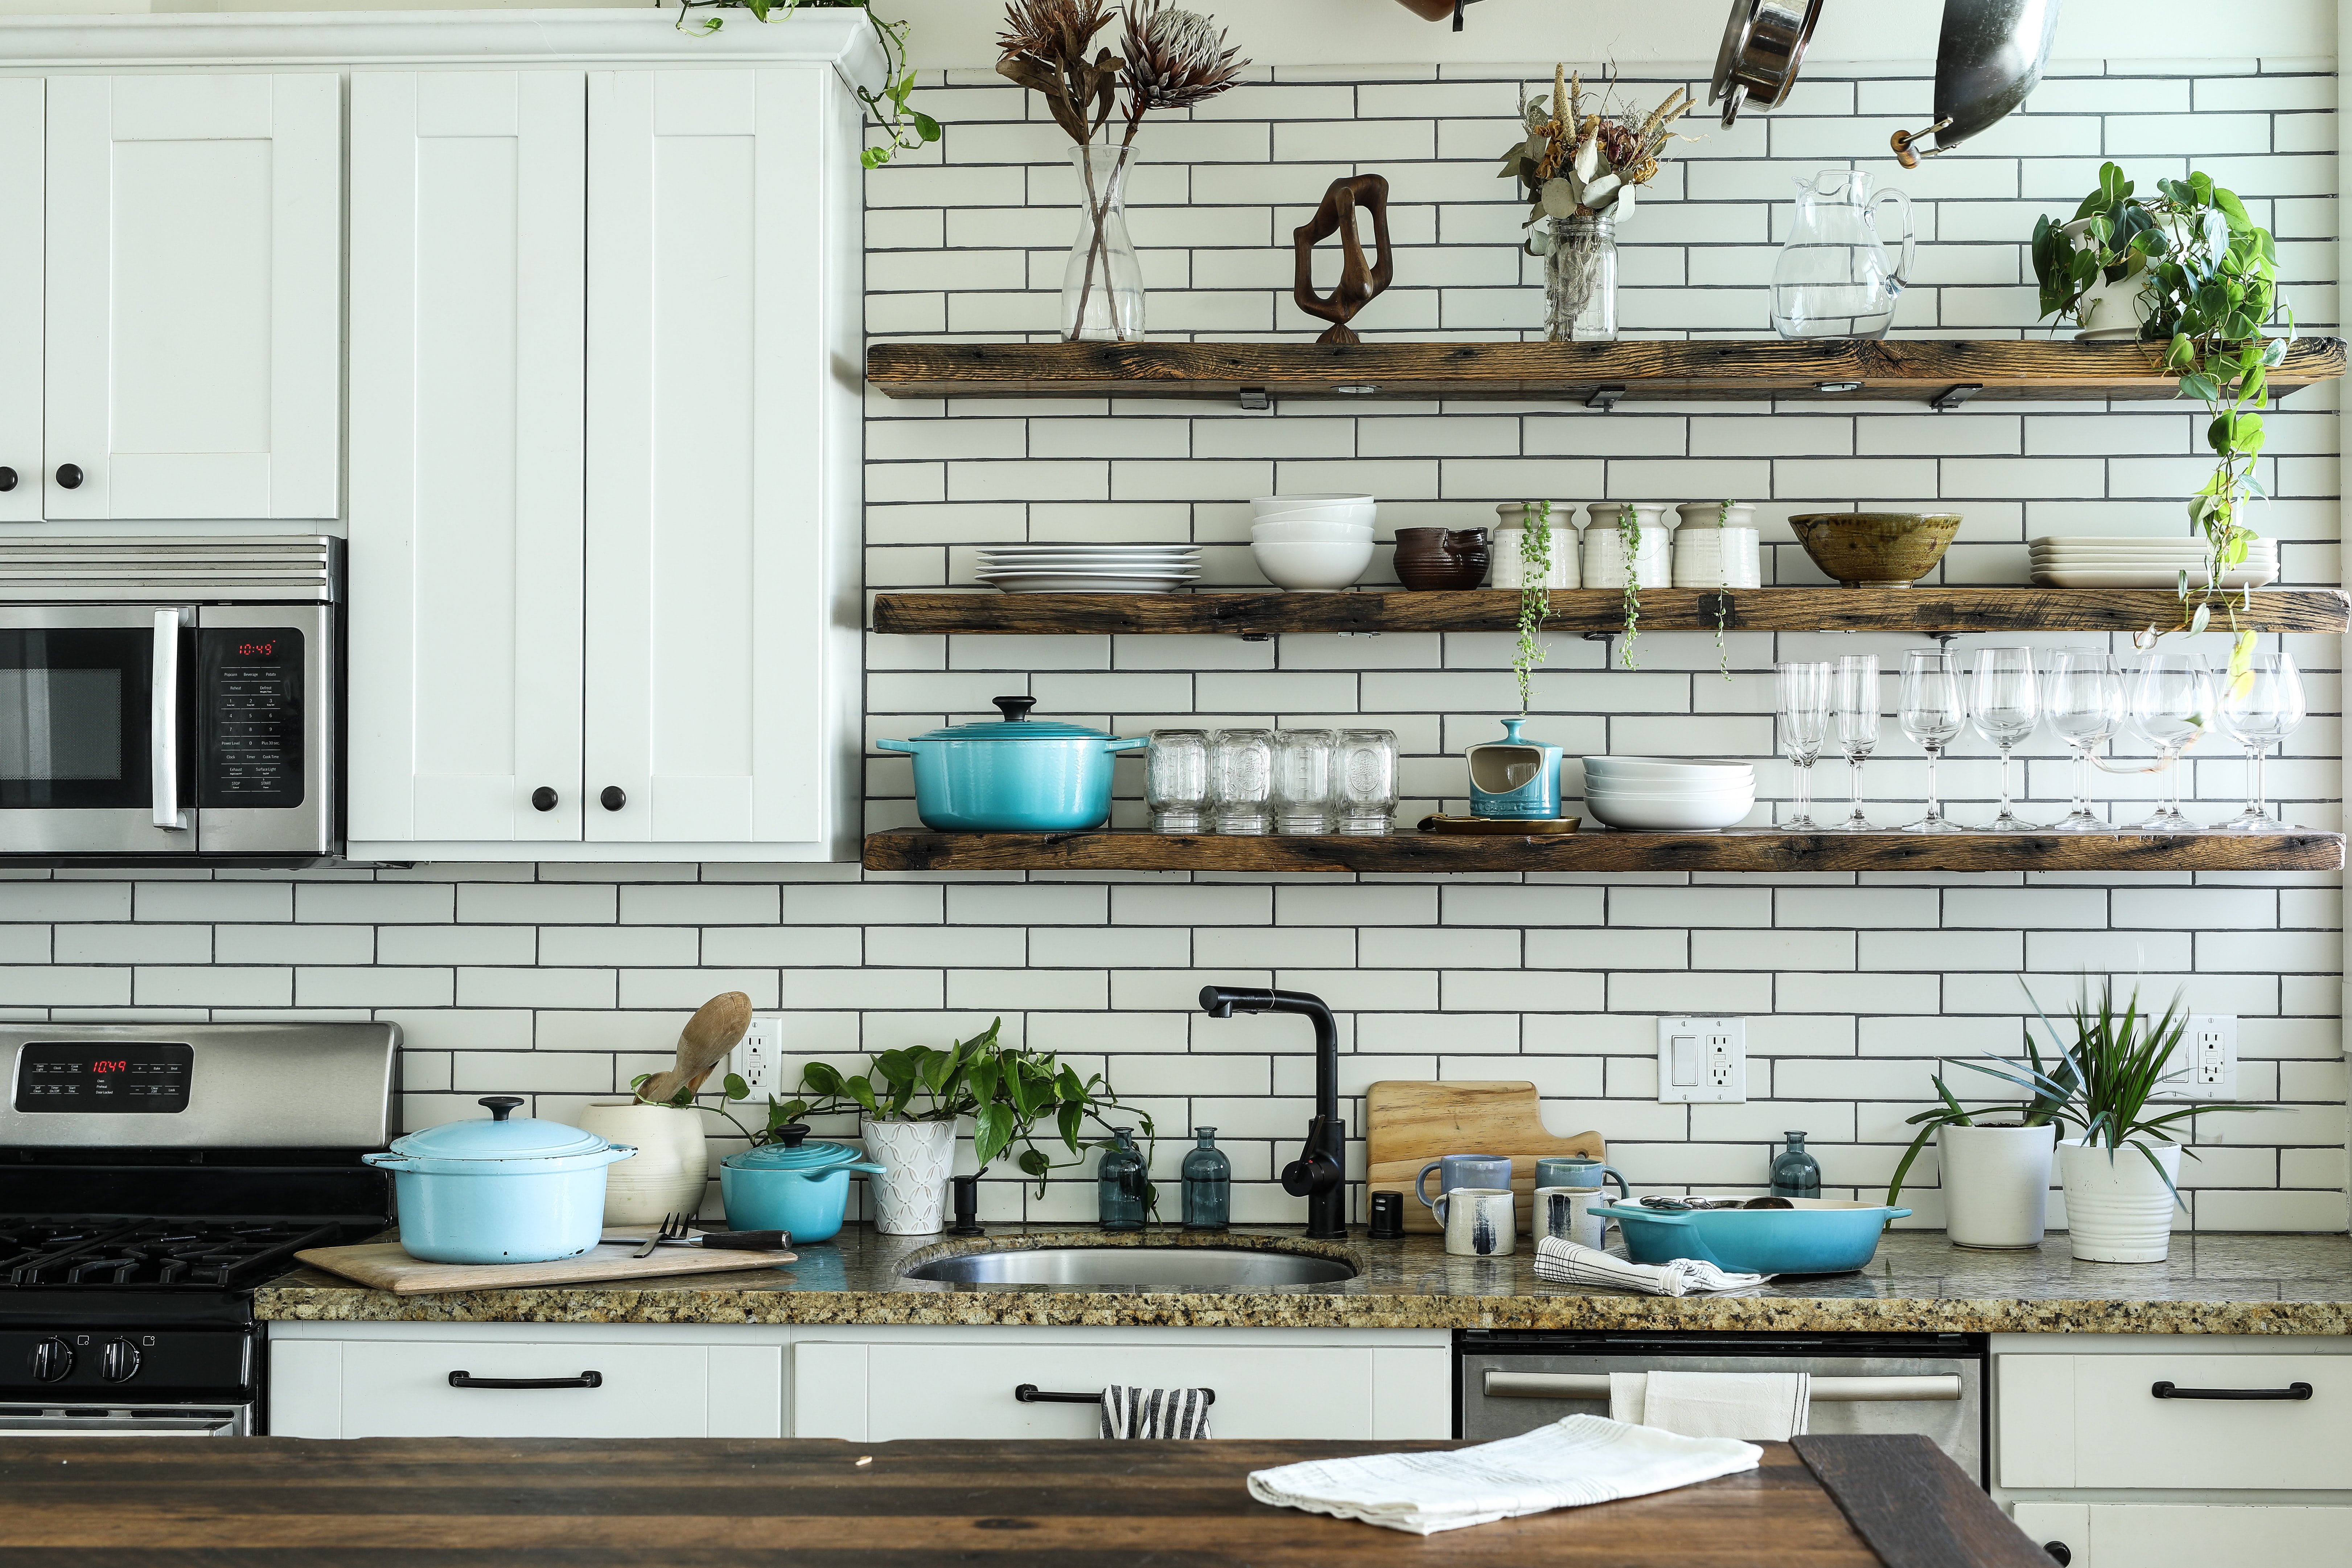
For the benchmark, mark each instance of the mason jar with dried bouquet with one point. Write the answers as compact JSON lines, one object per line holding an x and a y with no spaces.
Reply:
{"x":1580,"y":163}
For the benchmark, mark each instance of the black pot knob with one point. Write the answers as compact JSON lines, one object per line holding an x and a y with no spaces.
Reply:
{"x":1015,"y":708}
{"x":542,"y":799}
{"x":70,"y":475}
{"x":501,"y":1105}
{"x":614,"y":799}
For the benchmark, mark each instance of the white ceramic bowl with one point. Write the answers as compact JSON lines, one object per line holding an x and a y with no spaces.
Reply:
{"x":1352,"y":516}
{"x":1287,"y":533}
{"x":1312,"y":568}
{"x":1272,"y":506}
{"x":1648,"y":773}
{"x":1659,"y":812}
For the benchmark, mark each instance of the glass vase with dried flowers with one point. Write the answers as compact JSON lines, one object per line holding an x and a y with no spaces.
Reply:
{"x":1581,"y":166}
{"x":1166,"y":59}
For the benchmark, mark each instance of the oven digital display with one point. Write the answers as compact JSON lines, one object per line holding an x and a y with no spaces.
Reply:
{"x":119,"y":1078}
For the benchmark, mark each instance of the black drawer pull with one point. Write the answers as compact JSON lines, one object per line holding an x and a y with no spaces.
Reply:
{"x":2291,"y":1391}
{"x":467,"y":1380}
{"x":1030,"y":1394}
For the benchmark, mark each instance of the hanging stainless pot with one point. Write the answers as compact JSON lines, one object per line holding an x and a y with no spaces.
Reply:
{"x":1763,"y":44}
{"x":1990,"y":57}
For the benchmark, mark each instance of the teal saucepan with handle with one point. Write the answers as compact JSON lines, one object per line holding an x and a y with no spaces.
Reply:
{"x":1017,"y":775}
{"x":793,"y":1184}
{"x":1813,"y":1235}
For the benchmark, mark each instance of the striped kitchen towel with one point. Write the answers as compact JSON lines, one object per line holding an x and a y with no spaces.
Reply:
{"x":1155,"y":1412}
{"x":1566,"y":1262}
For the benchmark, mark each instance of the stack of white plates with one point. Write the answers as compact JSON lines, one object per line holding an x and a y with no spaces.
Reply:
{"x":1312,"y":543}
{"x":2143,"y":562}
{"x":1668,"y":792}
{"x":1090,"y":568}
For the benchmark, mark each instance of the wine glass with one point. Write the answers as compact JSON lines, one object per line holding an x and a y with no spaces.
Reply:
{"x":2172,"y":704}
{"x":1855,"y":695}
{"x":2261,"y":709}
{"x":2005,"y":707}
{"x":2085,"y":703}
{"x":1931,"y":710}
{"x":1804,"y":691}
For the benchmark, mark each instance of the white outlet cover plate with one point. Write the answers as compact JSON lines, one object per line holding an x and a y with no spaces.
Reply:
{"x":2204,"y":1065}
{"x":1707,"y":1055}
{"x":758,"y":1057}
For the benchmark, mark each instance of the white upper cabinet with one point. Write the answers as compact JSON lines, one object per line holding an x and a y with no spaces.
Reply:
{"x":192,"y":348}
{"x":469,"y":282}
{"x":21,"y":139}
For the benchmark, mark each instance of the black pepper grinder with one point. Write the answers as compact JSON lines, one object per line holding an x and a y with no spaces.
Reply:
{"x":1387,"y":1217}
{"x":967,"y":1204}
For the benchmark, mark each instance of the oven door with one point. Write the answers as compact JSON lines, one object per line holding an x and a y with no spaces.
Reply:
{"x":126,"y":1420}
{"x":94,"y":705}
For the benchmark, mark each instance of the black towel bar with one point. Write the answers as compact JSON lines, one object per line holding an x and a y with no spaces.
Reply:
{"x":1030,"y":1394}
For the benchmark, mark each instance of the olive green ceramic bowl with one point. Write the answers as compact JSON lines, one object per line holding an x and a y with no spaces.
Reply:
{"x":1877,"y":549}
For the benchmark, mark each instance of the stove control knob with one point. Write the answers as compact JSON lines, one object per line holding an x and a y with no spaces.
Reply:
{"x":52,"y":1359}
{"x":118,"y":1362}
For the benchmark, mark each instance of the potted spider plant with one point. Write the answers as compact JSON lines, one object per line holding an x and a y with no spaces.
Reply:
{"x":1995,"y":1173}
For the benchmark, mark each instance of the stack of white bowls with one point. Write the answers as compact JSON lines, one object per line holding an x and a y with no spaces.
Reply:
{"x":1668,"y":792}
{"x":2144,"y":562}
{"x":1313,"y":544}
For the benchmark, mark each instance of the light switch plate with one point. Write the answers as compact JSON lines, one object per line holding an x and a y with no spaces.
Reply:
{"x":1702,"y":1061}
{"x":2204,"y":1065}
{"x":758,"y":1057}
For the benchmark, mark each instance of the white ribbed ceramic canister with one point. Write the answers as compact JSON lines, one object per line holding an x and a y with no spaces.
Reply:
{"x":670,"y":1170}
{"x":1605,"y":551}
{"x":1717,"y":546}
{"x":1510,"y":569}
{"x":2117,"y":1209}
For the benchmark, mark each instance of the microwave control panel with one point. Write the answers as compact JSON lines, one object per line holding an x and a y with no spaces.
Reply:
{"x":118,"y":1077}
{"x":249,"y":685}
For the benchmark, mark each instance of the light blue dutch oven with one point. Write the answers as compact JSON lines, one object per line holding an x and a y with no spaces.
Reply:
{"x":1816,"y":1235}
{"x":797,"y":1188}
{"x":1017,"y":775}
{"x":499,"y":1191}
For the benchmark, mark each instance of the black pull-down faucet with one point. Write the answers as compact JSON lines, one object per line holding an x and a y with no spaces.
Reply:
{"x":1318,"y":1174}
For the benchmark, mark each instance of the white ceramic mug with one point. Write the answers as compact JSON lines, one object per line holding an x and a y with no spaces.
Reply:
{"x":1480,"y":1222}
{"x":1568,"y":1213}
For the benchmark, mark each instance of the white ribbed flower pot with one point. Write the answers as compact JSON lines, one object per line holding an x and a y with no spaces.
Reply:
{"x":1996,"y":1183}
{"x":2119,"y":1211}
{"x":918,"y":1157}
{"x":668,"y":1173}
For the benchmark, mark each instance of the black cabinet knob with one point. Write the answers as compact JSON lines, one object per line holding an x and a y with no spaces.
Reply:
{"x":542,"y":799}
{"x":70,"y":475}
{"x":7,"y":479}
{"x":613,"y":799}
{"x":2060,"y":1553}
{"x":119,"y":1361}
{"x":52,"y":1359}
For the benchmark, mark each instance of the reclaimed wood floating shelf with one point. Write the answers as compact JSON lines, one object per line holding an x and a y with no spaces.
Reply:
{"x":915,"y":849}
{"x":1917,"y":611}
{"x":1940,"y":372}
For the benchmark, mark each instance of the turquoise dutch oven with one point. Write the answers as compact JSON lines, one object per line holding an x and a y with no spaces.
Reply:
{"x":792,"y":1186}
{"x":501,"y":1191}
{"x":1815,"y":1235}
{"x":1017,"y":775}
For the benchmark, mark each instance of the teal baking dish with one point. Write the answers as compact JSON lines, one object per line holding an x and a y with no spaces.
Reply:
{"x":1815,"y":1235}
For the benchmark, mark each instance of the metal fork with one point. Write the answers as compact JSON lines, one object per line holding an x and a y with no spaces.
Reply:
{"x":674,"y":1227}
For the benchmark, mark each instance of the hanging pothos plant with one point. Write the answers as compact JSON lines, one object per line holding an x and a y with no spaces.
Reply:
{"x":1535,"y":595}
{"x":1629,"y":541}
{"x":904,"y":128}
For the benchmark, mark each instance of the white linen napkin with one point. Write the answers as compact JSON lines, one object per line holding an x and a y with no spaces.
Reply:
{"x":1576,"y":1460}
{"x":1566,"y":1262}
{"x":1759,"y":1407}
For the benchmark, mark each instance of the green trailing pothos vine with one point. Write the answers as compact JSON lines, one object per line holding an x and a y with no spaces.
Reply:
{"x":1535,"y":595}
{"x":904,"y":128}
{"x":1722,"y":603}
{"x":1629,"y":541}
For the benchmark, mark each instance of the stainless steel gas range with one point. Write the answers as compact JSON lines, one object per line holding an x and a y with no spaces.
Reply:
{"x":150,"y":1178}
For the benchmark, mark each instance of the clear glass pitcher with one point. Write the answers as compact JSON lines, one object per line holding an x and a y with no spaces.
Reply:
{"x":1833,"y":279}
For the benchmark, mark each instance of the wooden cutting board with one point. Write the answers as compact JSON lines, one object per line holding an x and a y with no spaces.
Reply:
{"x":1408,"y":1123}
{"x":385,"y":1267}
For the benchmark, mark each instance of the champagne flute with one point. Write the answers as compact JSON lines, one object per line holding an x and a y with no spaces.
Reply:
{"x":1855,"y":694}
{"x":2260,"y":710}
{"x":1931,"y":710}
{"x":2172,"y":706}
{"x":2085,"y":703}
{"x":1804,"y":691}
{"x":2005,"y":707}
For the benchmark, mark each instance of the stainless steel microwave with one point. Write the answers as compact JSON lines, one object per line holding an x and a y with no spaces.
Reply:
{"x":163,"y":697}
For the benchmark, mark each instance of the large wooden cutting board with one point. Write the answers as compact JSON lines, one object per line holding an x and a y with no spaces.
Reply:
{"x":385,"y":1267}
{"x":1408,"y":1123}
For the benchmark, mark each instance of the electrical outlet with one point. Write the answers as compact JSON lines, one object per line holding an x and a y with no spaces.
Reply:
{"x":2204,"y":1065}
{"x":1702,"y":1060}
{"x":758,"y":1057}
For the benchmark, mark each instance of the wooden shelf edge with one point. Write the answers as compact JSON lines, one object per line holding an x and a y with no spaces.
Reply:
{"x":1740,"y":849}
{"x":1579,"y":610}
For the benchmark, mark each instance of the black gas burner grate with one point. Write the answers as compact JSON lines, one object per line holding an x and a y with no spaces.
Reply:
{"x":149,"y":1253}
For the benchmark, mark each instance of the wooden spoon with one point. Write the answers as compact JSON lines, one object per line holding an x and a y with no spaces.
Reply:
{"x":713,"y":1031}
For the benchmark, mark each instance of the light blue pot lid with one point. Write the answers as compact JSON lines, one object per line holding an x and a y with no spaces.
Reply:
{"x":498,"y":1138}
{"x":791,"y":1152}
{"x":1016,"y":725}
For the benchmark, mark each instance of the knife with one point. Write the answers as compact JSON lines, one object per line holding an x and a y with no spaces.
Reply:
{"x":718,"y":1240}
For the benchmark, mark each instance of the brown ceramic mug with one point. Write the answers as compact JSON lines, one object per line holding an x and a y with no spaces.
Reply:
{"x":1432,"y":558}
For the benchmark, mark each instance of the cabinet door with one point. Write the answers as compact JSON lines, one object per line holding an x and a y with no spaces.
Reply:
{"x":708,"y":372}
{"x":392,"y":1389}
{"x":21,"y":136}
{"x":468,"y":285}
{"x":2189,"y":1535}
{"x":194,"y":296}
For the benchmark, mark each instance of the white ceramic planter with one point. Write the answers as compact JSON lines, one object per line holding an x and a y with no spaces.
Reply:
{"x":918,"y":1157}
{"x":2109,"y":312}
{"x":668,"y":1173}
{"x":1996,"y":1183}
{"x":2119,"y":1211}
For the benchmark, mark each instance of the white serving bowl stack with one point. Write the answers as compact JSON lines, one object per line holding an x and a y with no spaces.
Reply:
{"x":1668,"y":794}
{"x":1313,"y":544}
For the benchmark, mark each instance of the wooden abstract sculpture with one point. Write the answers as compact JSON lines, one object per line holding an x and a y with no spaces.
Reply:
{"x":1358,"y":284}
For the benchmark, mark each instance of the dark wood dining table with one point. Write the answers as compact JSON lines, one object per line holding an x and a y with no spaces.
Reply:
{"x":427,"y":1502}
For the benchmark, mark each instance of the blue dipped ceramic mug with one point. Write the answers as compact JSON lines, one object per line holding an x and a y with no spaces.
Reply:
{"x":1463,"y":1171}
{"x":1579,"y":1171}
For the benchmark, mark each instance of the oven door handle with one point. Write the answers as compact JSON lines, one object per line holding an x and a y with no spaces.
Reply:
{"x":1836,"y":1390}
{"x":164,"y":723}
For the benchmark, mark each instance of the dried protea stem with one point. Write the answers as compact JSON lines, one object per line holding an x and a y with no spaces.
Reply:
{"x":1174,"y":58}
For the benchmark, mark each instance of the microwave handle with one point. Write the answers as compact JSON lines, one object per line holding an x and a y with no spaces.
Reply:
{"x":163,"y":722}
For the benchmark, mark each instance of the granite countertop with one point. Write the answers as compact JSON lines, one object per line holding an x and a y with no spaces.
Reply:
{"x":2214,"y":1284}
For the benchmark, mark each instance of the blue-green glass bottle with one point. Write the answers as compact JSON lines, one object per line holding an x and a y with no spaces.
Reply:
{"x":1120,"y":1178}
{"x":1796,"y":1174}
{"x":1208,"y":1184}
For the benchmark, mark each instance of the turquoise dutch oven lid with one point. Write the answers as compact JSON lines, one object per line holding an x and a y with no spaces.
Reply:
{"x":1016,"y":725}
{"x":479,"y":1145}
{"x":790,"y":1151}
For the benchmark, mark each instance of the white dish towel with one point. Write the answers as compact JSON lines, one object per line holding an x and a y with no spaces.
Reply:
{"x":1154,"y":1412}
{"x":1576,"y":1460}
{"x":1759,"y":1407}
{"x":1566,"y":1262}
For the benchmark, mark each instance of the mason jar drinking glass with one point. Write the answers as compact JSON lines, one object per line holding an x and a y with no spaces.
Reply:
{"x":1241,"y":781}
{"x":1176,"y":780}
{"x":1302,"y":781}
{"x":1364,"y":780}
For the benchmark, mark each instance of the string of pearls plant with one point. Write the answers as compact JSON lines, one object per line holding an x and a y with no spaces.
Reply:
{"x":1535,"y":595}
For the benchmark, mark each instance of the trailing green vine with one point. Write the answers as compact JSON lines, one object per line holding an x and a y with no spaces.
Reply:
{"x":1535,"y":595}
{"x":1722,"y":601}
{"x":909,"y":130}
{"x":1628,"y":541}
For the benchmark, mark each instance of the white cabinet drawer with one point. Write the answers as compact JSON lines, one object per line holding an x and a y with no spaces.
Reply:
{"x":2094,"y":1421}
{"x":394,"y":1390}
{"x":2216,"y":1535}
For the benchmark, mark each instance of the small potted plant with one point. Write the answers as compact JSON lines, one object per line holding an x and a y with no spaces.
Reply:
{"x":908,"y":1103}
{"x":1995,"y":1174}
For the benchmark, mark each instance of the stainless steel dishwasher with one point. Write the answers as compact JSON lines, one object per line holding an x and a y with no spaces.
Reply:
{"x":1506,"y":1382}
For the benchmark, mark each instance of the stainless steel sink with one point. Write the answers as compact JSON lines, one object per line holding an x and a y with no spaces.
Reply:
{"x":1201,"y":1268}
